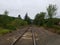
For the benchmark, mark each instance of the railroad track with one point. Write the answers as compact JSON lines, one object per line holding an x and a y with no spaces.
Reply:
{"x":33,"y":37}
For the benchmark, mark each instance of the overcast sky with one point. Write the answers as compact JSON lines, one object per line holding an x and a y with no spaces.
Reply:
{"x":32,"y":7}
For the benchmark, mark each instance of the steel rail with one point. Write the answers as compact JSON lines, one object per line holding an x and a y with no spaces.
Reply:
{"x":19,"y":37}
{"x":33,"y":38}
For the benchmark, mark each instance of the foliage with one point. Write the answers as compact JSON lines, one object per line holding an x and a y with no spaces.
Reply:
{"x":4,"y":31}
{"x":18,"y":23}
{"x":11,"y":23}
{"x":51,"y":10}
{"x":39,"y":18}
{"x":6,"y":13}
{"x":19,"y":17}
{"x":4,"y":20}
{"x":27,"y":19}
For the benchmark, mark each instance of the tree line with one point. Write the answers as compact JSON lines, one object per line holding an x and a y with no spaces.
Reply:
{"x":13,"y":23}
{"x":47,"y":18}
{"x":41,"y":19}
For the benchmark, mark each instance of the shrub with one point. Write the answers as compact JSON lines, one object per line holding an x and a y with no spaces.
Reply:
{"x":4,"y":31}
{"x":17,"y":23}
{"x":11,"y":27}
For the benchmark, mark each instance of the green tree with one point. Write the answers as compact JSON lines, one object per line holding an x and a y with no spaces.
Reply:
{"x":6,"y":13}
{"x":39,"y":18}
{"x":11,"y":23}
{"x":27,"y":19}
{"x":19,"y":17}
{"x":51,"y":10}
{"x":18,"y":23}
{"x":51,"y":13}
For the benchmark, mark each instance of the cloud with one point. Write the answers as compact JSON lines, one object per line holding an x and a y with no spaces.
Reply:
{"x":33,"y":7}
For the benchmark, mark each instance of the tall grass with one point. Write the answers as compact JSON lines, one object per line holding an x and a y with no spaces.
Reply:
{"x":4,"y":31}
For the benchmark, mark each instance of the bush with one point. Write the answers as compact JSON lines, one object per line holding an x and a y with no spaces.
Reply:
{"x":4,"y":31}
{"x":11,"y":23}
{"x":56,"y":27}
{"x":17,"y":23}
{"x":11,"y":27}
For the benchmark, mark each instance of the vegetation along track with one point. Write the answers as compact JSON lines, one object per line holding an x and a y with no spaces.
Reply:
{"x":30,"y":34}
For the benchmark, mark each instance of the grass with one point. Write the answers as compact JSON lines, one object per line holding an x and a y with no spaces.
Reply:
{"x":4,"y":31}
{"x":54,"y":28}
{"x":57,"y":29}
